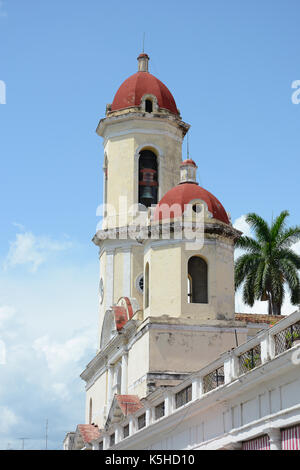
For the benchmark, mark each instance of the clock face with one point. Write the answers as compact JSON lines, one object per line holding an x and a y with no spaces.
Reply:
{"x":101,"y":290}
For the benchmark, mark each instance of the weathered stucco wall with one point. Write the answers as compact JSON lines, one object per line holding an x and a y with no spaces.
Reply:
{"x":98,"y":393}
{"x":186,"y":349}
{"x":138,"y":366}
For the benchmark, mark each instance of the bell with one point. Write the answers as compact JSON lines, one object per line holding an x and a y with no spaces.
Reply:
{"x":147,"y":196}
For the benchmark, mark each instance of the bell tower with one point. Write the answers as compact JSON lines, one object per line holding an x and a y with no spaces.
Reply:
{"x":142,"y":137}
{"x":166,"y":308}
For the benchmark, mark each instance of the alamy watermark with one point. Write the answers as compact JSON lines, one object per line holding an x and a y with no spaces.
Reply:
{"x":2,"y":92}
{"x":296,"y":94}
{"x":165,"y":222}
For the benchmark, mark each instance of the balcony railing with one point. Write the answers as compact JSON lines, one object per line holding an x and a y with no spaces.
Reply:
{"x":286,"y":338}
{"x":263,"y":347}
{"x":250,"y":359}
{"x":213,"y":380}
{"x":183,"y":397}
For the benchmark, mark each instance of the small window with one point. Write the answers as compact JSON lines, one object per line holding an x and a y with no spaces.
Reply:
{"x":148,"y":106}
{"x":183,"y":397}
{"x":101,"y":445}
{"x":112,"y":439}
{"x":126,"y":431}
{"x":142,"y":421}
{"x":160,"y":410}
{"x":197,"y":208}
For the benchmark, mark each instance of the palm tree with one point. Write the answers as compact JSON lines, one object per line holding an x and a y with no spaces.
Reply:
{"x":269,"y":263}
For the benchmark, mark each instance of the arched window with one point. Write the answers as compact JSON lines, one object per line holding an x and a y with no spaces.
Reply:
{"x":148,"y":106}
{"x":91,"y":412}
{"x":148,"y":178}
{"x":197,"y":281}
{"x":146,"y":287}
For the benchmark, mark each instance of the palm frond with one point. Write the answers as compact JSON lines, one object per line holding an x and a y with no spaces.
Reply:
{"x":290,"y":255}
{"x":278,"y":225}
{"x":288,"y":238}
{"x":290,"y":273}
{"x":260,"y":227}
{"x":248,"y":290}
{"x":259,"y":289}
{"x":295,"y":295}
{"x":249,"y":244}
{"x":245,"y":265}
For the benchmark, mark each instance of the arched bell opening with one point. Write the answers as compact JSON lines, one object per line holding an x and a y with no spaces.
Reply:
{"x":148,"y":106}
{"x":197,"y":280}
{"x":148,"y":178}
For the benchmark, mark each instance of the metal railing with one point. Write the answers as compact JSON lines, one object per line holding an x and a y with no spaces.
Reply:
{"x":250,"y":359}
{"x":214,"y":379}
{"x":286,"y":338}
{"x":159,"y":410}
{"x":126,"y":431}
{"x":142,"y":421}
{"x":183,"y":396}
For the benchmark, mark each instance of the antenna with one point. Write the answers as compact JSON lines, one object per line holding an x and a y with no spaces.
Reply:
{"x":236,"y":338}
{"x":23,"y":439}
{"x":144,"y":42}
{"x":46,"y":434}
{"x":187,"y":146}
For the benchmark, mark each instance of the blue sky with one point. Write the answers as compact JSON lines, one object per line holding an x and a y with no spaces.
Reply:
{"x":229,"y":65}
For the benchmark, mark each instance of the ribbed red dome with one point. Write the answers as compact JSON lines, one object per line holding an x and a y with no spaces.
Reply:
{"x":183,"y":194}
{"x":135,"y":87}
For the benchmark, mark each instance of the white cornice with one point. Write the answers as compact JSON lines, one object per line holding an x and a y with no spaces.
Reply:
{"x":141,"y":131}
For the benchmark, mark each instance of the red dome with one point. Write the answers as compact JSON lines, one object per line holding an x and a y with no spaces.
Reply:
{"x":188,"y":162}
{"x":183,"y":194}
{"x":135,"y":87}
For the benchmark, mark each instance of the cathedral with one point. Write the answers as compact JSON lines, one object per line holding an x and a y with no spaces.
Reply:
{"x":166,"y":287}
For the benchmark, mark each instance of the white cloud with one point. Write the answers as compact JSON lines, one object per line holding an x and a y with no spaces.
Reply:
{"x":28,"y":249}
{"x":6,"y":313}
{"x":8,"y":420}
{"x":47,"y":324}
{"x":61,"y":390}
{"x":296,"y":248}
{"x":241,"y":224}
{"x":60,"y":355}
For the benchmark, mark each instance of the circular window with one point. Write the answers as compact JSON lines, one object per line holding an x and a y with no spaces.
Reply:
{"x":197,"y":208}
{"x":139,"y":283}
